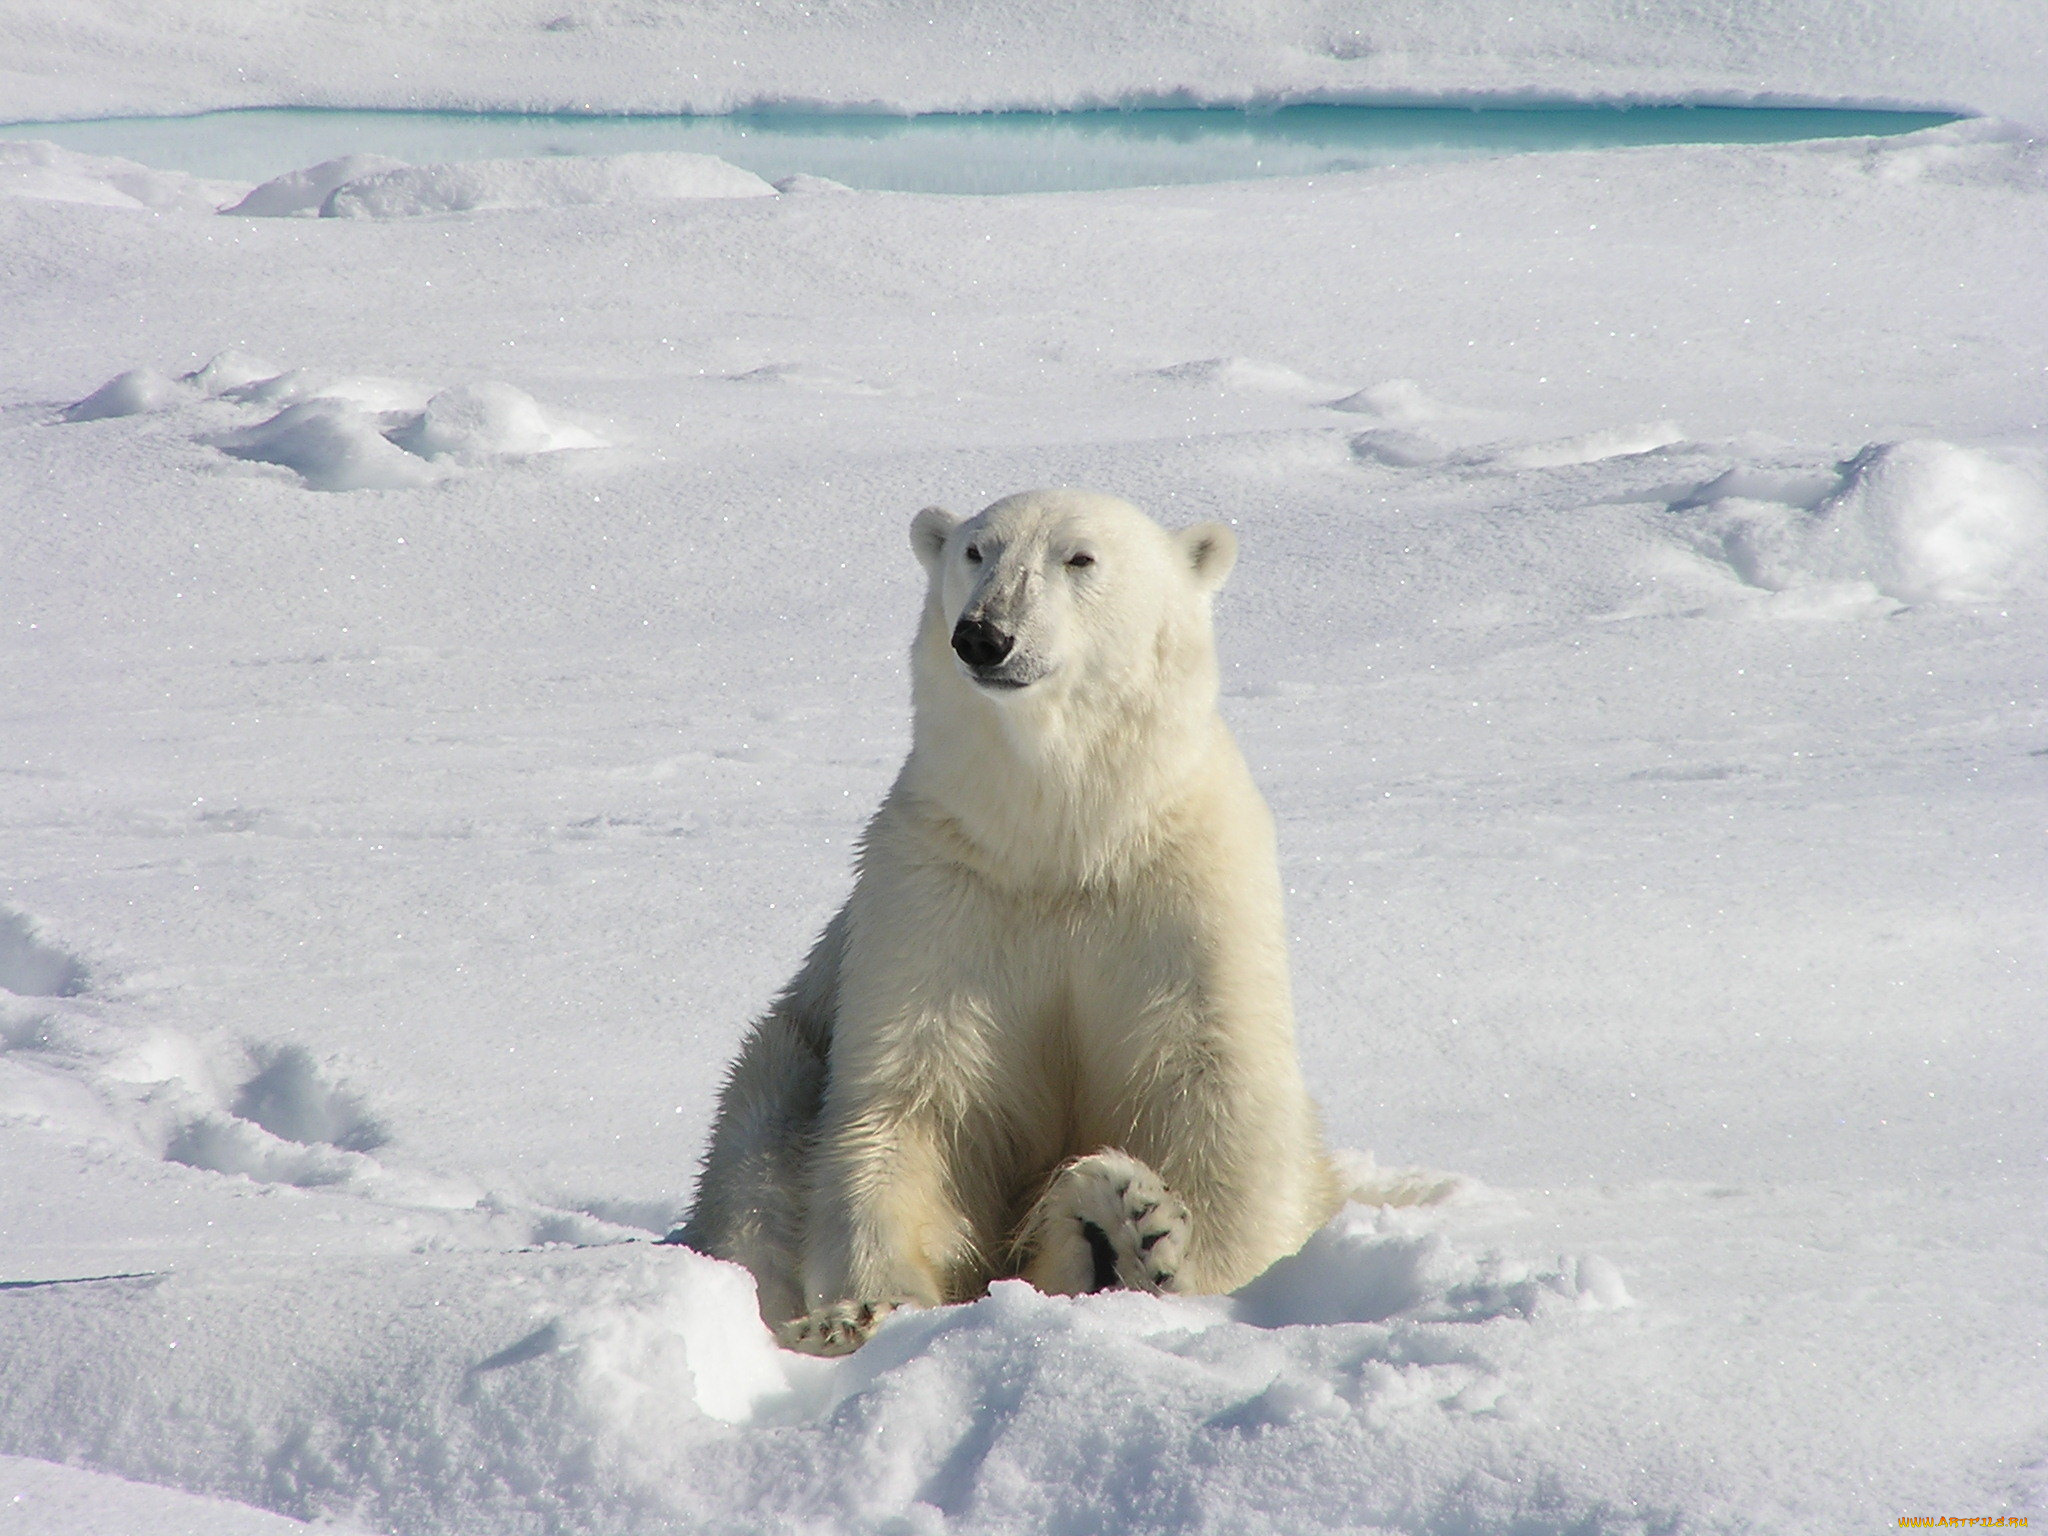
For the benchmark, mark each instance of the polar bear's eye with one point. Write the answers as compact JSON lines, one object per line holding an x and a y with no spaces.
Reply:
{"x":1080,"y":560}
{"x":973,"y":554}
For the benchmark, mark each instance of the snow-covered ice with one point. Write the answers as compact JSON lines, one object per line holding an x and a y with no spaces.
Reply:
{"x":407,"y":191}
{"x":445,"y":661}
{"x":85,"y":58}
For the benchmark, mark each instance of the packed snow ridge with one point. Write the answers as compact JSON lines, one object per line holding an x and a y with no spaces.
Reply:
{"x":265,"y":1111}
{"x":1900,"y":522}
{"x":1910,"y":521}
{"x":376,"y":187}
{"x":365,"y":186}
{"x":342,"y":433}
{"x":620,"y":1387}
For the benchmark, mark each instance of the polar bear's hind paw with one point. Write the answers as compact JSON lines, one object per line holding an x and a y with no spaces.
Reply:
{"x":839,"y":1329}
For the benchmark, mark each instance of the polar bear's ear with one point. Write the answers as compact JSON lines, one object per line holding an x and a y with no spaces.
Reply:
{"x":928,"y":531}
{"x":1211,"y":550}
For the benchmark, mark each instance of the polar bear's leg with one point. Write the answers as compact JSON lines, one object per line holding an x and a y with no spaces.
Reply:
{"x":750,"y":1203}
{"x":902,"y":1208}
{"x":1106,"y":1221}
{"x":1258,"y":1180}
{"x":750,"y":1197}
{"x":884,"y":1229}
{"x":1187,"y":1056}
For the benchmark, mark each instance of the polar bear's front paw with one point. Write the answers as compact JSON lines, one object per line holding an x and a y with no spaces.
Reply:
{"x":1106,"y":1221}
{"x":839,"y":1329}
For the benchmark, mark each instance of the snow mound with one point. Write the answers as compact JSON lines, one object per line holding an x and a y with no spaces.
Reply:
{"x":1367,"y":1267}
{"x":803,"y":184}
{"x":269,"y":1112}
{"x":134,"y":393}
{"x":30,"y":967}
{"x":545,"y":183}
{"x":265,"y":1113}
{"x":224,"y":1143}
{"x":633,"y":1386}
{"x":141,"y":391}
{"x":1412,"y":428}
{"x":475,"y":423}
{"x":307,"y":385}
{"x":337,"y":441}
{"x":228,"y":371}
{"x":1914,"y":521}
{"x":301,"y":193}
{"x":333,"y":446}
{"x":342,"y":432}
{"x":39,"y":170}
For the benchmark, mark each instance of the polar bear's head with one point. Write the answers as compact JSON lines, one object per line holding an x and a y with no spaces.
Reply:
{"x":1047,"y":592}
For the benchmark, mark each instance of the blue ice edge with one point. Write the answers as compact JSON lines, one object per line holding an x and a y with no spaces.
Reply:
{"x":1092,"y":148}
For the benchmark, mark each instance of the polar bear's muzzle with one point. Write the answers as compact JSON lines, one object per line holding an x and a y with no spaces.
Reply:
{"x":980,"y":644}
{"x":990,"y":655}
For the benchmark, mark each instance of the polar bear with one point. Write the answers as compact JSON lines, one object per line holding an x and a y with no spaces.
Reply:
{"x":1049,"y":1035}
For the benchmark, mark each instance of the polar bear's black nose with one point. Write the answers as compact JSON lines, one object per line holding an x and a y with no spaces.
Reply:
{"x":979,"y":643}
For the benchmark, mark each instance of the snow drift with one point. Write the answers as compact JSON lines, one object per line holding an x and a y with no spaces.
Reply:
{"x":568,"y":181}
{"x":37,"y":169}
{"x":305,"y":192}
{"x":92,"y":57}
{"x":345,"y":433}
{"x":633,"y":1386}
{"x":1918,"y":520}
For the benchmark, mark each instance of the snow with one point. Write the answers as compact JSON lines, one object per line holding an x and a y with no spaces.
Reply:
{"x":306,"y":191}
{"x":341,"y":434}
{"x":446,"y":661}
{"x":1910,"y":521}
{"x":36,"y":169}
{"x":44,"y":1499}
{"x":86,"y":58}
{"x":408,"y":191}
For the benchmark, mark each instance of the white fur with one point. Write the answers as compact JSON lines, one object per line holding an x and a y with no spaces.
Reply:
{"x":1065,"y":938}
